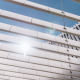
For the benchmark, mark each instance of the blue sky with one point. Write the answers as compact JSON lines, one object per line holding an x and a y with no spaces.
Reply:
{"x":68,"y":6}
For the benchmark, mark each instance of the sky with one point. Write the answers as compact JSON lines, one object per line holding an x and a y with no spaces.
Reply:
{"x":68,"y":6}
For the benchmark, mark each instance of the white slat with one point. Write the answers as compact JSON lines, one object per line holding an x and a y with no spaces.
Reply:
{"x":46,"y":9}
{"x":35,"y":34}
{"x":35,"y":44}
{"x":37,"y":22}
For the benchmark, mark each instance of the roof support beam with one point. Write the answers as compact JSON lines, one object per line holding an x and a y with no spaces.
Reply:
{"x":37,"y":22}
{"x":45,"y":9}
{"x":43,"y":46}
{"x":35,"y":34}
{"x":35,"y":44}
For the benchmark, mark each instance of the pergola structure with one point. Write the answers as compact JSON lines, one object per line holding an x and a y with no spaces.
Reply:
{"x":43,"y":61}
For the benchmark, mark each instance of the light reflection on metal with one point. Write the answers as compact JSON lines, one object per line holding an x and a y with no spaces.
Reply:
{"x":25,"y":48}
